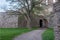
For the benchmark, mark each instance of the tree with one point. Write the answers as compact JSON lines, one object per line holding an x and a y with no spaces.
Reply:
{"x":26,"y":8}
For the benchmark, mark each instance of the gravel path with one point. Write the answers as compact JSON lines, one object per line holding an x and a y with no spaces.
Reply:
{"x":33,"y":35}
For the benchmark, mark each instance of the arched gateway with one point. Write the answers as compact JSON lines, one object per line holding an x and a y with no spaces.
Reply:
{"x":43,"y":23}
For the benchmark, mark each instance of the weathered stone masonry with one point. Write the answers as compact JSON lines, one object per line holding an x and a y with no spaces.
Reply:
{"x":56,"y":8}
{"x":8,"y":21}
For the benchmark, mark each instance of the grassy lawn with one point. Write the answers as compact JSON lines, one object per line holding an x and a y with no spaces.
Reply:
{"x":48,"y":35}
{"x":9,"y":33}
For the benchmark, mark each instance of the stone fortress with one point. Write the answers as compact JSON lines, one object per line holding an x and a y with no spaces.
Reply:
{"x":12,"y":21}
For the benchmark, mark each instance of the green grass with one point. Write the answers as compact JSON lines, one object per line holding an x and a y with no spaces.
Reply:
{"x":9,"y":33}
{"x":48,"y":35}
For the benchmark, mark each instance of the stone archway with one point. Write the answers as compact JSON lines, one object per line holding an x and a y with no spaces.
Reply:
{"x":43,"y":23}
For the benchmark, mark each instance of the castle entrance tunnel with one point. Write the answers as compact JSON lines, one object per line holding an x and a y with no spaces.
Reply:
{"x":43,"y":23}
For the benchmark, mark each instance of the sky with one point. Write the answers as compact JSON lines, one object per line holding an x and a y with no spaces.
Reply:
{"x":5,"y":5}
{"x":54,"y":0}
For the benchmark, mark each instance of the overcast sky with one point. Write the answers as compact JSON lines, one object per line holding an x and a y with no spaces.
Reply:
{"x":4,"y":5}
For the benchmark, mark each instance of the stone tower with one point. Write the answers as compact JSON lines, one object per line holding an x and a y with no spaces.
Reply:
{"x":56,"y":8}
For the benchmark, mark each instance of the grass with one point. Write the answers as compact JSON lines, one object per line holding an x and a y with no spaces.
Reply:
{"x":9,"y":33}
{"x":48,"y":35}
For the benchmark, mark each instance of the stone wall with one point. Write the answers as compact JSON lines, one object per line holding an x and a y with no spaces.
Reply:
{"x":8,"y":21}
{"x":51,"y":21}
{"x":56,"y":8}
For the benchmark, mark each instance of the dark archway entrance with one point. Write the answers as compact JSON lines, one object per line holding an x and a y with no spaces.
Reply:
{"x":41,"y":23}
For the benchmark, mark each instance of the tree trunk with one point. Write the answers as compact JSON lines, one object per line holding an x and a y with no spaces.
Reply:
{"x":28,"y":22}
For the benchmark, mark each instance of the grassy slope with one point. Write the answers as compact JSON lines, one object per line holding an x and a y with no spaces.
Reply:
{"x":48,"y":35}
{"x":8,"y":34}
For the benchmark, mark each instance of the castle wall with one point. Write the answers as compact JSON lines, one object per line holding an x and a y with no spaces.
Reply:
{"x":57,"y":20}
{"x":8,"y":21}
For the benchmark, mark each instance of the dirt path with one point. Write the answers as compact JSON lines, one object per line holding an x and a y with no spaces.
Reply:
{"x":33,"y":35}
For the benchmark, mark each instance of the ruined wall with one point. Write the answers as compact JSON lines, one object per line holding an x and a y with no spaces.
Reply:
{"x":51,"y":20}
{"x":21,"y":22}
{"x":8,"y":21}
{"x":56,"y":8}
